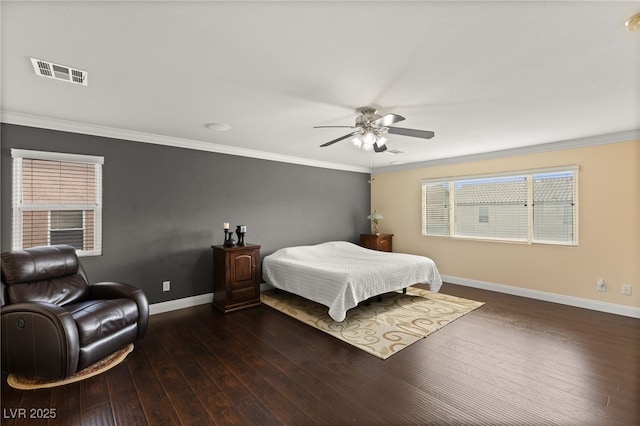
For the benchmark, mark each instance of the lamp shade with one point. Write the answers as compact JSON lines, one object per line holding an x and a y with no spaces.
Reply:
{"x":375,"y":216}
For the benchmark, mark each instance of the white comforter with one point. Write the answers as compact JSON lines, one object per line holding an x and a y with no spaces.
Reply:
{"x":340,"y":274}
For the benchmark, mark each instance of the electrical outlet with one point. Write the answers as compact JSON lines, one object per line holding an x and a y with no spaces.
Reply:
{"x":166,"y":285}
{"x":626,"y":289}
{"x":602,"y":286}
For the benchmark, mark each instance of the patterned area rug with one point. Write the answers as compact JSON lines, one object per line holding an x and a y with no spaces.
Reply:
{"x":382,"y":328}
{"x":32,"y":383}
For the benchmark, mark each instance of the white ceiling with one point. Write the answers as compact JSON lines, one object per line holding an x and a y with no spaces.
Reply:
{"x":484,"y":76}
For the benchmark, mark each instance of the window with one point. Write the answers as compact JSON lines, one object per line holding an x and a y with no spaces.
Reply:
{"x":57,"y":199}
{"x":67,"y":227}
{"x":435,"y":203}
{"x":483,"y":214}
{"x":535,"y":207}
{"x":554,"y":207}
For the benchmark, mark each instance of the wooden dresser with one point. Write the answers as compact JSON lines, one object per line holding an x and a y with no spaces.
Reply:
{"x":381,"y":242}
{"x":236,"y":277}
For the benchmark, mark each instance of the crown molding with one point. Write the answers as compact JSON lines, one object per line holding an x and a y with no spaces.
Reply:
{"x":28,"y":120}
{"x":627,"y":136}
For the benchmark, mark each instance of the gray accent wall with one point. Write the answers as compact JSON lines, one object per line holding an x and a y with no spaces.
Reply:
{"x":165,"y":206}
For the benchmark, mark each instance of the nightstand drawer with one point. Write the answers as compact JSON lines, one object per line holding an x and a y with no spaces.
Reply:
{"x":243,"y":294}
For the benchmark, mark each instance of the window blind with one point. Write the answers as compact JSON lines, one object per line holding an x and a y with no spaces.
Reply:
{"x":536,"y":206}
{"x":554,"y":207}
{"x":502,"y":202}
{"x":57,"y":199}
{"x":435,"y":208}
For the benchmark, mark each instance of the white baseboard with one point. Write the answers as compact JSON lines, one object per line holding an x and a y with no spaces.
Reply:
{"x":612,"y":308}
{"x":186,"y":302}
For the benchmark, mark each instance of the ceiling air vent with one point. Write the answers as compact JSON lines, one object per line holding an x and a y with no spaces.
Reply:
{"x":59,"y":72}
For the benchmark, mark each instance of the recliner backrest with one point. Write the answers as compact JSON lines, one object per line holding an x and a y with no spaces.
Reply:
{"x":43,"y":274}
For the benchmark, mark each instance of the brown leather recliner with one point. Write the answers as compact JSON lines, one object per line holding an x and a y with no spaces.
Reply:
{"x":54,"y":323}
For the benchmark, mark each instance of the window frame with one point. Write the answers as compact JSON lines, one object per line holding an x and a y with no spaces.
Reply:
{"x":19,"y":207}
{"x":450,"y":184}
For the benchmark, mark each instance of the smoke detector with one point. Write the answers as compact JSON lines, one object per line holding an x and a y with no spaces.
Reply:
{"x":219,"y":127}
{"x":59,"y":72}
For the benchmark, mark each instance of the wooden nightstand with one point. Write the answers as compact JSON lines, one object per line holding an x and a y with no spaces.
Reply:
{"x":381,"y":242}
{"x":236,"y":277}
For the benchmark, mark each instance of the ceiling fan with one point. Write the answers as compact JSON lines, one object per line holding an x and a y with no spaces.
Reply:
{"x":371,"y":127}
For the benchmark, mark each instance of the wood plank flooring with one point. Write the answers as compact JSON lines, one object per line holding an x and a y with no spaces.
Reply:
{"x":514,"y":361}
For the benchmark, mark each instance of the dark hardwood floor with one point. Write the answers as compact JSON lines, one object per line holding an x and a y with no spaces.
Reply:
{"x":514,"y":361}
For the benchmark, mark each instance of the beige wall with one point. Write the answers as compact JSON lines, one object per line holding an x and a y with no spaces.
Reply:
{"x":608,"y":232}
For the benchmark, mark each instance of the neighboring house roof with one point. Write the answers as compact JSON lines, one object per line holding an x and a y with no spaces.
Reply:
{"x":545,"y":190}
{"x":553,"y":189}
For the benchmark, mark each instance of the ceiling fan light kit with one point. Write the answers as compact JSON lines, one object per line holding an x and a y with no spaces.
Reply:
{"x":369,"y":140}
{"x":370,"y":128}
{"x":633,"y":24}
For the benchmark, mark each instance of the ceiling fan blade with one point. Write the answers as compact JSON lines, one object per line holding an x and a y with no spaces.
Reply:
{"x":322,"y":127}
{"x":338,"y":139}
{"x":388,"y":119}
{"x":424,"y":134}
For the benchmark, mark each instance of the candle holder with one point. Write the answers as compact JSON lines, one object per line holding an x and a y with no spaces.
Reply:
{"x":228,"y":239}
{"x":241,"y":230}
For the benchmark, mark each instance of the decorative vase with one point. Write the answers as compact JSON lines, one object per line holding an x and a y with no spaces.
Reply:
{"x":228,"y":239}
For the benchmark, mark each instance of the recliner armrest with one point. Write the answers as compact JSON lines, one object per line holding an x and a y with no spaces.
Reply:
{"x":39,"y":339}
{"x":116,"y":290}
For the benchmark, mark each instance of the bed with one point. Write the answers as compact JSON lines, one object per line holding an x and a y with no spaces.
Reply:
{"x":340,"y":274}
